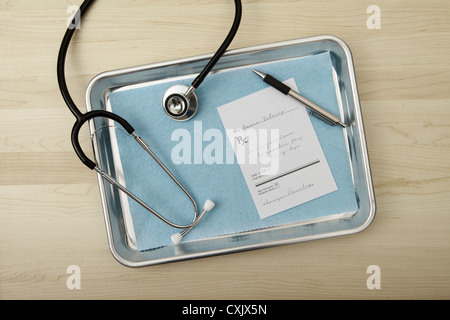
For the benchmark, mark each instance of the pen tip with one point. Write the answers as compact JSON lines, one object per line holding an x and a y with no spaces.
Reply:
{"x":262,"y":75}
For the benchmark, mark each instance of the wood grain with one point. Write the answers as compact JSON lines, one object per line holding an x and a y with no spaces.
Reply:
{"x":51,"y":215}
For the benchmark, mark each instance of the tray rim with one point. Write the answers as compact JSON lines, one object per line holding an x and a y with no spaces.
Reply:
{"x":361,"y":134}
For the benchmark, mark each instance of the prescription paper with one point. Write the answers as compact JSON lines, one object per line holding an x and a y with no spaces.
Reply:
{"x":277,"y":149}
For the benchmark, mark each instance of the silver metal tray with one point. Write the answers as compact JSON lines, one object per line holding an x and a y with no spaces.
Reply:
{"x":119,"y":234}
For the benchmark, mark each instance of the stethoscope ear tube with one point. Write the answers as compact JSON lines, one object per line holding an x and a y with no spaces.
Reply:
{"x":93,"y":166}
{"x":79,"y":124}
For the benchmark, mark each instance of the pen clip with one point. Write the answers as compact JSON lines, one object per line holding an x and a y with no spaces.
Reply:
{"x":322,"y":118}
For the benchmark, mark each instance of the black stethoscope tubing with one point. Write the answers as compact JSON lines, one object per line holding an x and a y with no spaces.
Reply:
{"x":81,"y":118}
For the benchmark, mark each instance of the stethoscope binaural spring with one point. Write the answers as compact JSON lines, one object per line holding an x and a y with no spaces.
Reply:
{"x":179,"y":102}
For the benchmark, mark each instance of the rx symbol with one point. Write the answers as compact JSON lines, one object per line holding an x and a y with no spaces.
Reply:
{"x":241,"y":140}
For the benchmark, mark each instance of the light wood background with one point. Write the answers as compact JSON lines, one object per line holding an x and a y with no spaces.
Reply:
{"x":50,"y":210}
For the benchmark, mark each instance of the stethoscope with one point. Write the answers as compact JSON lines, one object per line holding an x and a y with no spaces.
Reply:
{"x":179,"y":103}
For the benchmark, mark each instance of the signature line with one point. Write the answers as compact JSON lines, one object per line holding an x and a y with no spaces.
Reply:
{"x":287,"y":173}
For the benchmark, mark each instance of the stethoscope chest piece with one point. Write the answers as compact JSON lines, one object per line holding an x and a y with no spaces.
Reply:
{"x":180,"y":102}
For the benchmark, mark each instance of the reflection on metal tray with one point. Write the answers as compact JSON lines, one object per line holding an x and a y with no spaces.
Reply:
{"x":121,"y":236}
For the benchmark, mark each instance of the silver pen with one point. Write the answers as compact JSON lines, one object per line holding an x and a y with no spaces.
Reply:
{"x":316,"y":111}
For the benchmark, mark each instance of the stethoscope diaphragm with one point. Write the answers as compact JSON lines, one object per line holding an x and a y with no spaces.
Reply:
{"x":180,"y":102}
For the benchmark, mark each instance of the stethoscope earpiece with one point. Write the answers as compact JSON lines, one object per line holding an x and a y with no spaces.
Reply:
{"x":180,"y":102}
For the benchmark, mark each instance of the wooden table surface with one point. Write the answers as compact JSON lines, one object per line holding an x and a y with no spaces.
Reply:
{"x":51,"y":215}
